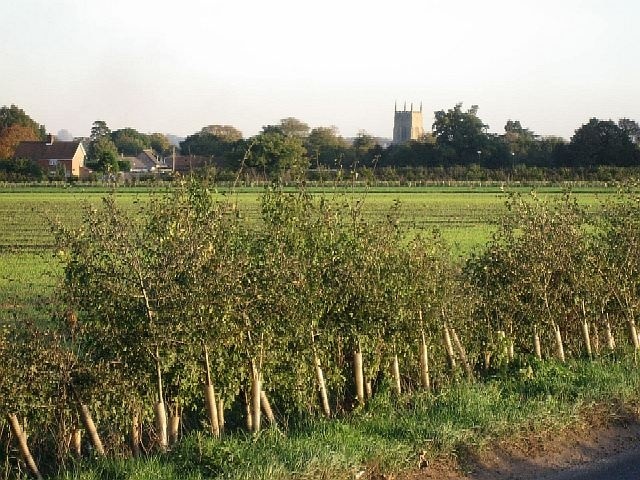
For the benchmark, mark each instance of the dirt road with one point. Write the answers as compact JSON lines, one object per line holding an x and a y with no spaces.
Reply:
{"x":599,"y":449}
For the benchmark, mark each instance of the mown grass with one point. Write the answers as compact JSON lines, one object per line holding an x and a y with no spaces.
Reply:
{"x":390,"y":434}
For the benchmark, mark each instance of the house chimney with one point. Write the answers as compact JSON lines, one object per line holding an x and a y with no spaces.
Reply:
{"x":50,"y":139}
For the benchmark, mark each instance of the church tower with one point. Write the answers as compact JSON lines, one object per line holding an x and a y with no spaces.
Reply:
{"x":407,"y":124}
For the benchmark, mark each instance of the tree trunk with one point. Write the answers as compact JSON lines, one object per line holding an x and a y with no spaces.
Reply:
{"x":221,"y":415}
{"x":90,"y":427}
{"x":266,"y":407}
{"x":536,"y":344}
{"x":322,"y":386}
{"x":424,"y":364}
{"x":502,"y":341}
{"x":462,"y":354}
{"x":212,"y":410}
{"x":596,"y":340}
{"x":76,"y":442}
{"x":21,"y":439}
{"x":210,"y":398}
{"x":159,"y":409}
{"x":395,"y":370}
{"x":161,"y":425}
{"x":256,"y":389}
{"x":249,"y":414}
{"x":559,"y":345}
{"x":449,"y":346}
{"x":587,"y":338}
{"x":633,"y":333}
{"x":174,"y":425}
{"x":611,"y":343}
{"x":135,"y":435}
{"x":358,"y":375}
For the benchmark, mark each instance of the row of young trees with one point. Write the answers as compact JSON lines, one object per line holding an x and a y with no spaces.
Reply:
{"x":188,"y":315}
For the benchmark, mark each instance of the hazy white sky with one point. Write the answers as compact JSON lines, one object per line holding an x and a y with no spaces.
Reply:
{"x":175,"y":66}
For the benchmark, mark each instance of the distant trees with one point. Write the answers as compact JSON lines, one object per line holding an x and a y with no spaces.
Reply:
{"x":325,"y":147}
{"x":15,"y":127}
{"x":274,"y":152}
{"x":102,"y":152}
{"x":602,"y":142}
{"x":222,"y":142}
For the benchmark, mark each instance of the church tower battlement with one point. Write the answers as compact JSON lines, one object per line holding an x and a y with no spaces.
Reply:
{"x":407,"y":124}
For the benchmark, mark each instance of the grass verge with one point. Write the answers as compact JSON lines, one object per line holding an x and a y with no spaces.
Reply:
{"x":391,"y":434}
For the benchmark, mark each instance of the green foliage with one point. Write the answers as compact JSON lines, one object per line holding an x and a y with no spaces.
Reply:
{"x":315,"y":277}
{"x":602,"y":142}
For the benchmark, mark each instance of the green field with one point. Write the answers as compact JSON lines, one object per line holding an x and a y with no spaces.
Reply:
{"x":465,"y":216}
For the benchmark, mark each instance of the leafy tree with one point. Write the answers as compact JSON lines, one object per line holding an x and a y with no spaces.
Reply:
{"x":129,"y":141}
{"x":365,"y":149}
{"x":160,"y":143}
{"x":518,"y":139}
{"x":16,"y":126}
{"x":275,"y":153}
{"x":325,"y":146}
{"x":461,"y":135}
{"x":631,"y":128}
{"x":225,"y":133}
{"x":102,"y":152}
{"x":99,"y":129}
{"x":602,"y":142}
{"x":11,"y":137}
{"x":293,"y":127}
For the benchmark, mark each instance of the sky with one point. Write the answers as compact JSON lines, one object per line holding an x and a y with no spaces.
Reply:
{"x":176,"y":66}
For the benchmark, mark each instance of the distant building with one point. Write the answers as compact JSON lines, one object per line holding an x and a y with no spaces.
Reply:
{"x":407,"y":124}
{"x":54,"y":157}
{"x":146,"y":161}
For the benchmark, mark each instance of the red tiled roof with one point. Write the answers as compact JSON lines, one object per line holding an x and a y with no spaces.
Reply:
{"x":44,"y":151}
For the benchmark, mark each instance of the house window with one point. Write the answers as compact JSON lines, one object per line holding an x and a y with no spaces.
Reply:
{"x":53,"y":162}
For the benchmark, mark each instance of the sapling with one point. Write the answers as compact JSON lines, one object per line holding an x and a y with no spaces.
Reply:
{"x":221,"y":415}
{"x":159,"y":410}
{"x":210,"y":398}
{"x":266,"y":407}
{"x":424,"y":363}
{"x":76,"y":442}
{"x":587,"y":338}
{"x":611,"y":343}
{"x":324,"y":398}
{"x":559,"y":345}
{"x":463,"y":354}
{"x":395,"y":369}
{"x":449,"y":346}
{"x":21,"y":439}
{"x":536,"y":343}
{"x":174,"y":423}
{"x":358,"y":374}
{"x":135,"y":435}
{"x":256,"y":390}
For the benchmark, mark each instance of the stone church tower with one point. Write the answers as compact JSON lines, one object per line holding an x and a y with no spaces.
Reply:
{"x":407,"y":124}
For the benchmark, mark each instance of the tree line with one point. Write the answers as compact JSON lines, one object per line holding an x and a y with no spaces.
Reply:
{"x":458,"y":138}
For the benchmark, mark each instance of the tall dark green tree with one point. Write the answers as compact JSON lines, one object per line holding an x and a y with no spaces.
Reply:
{"x":461,"y":135}
{"x":102,"y":152}
{"x":602,"y":142}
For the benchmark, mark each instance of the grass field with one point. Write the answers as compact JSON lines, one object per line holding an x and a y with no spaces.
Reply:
{"x":465,"y":216}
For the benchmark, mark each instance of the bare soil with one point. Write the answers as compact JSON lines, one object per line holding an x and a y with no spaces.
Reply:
{"x":600,"y":433}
